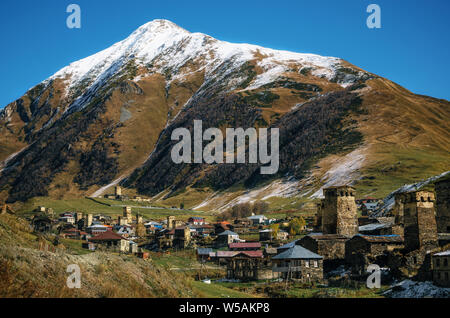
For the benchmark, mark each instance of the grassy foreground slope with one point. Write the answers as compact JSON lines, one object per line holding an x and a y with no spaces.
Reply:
{"x":30,"y":266}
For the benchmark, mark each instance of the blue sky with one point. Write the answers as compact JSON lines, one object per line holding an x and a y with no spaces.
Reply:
{"x":412,"y":48}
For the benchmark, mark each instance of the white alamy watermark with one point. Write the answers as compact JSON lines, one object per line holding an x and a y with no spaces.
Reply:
{"x":74,"y":19}
{"x":374,"y":279}
{"x":236,"y":146}
{"x":74,"y":279}
{"x":374,"y":20}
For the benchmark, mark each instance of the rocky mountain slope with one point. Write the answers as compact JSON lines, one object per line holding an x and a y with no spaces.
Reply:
{"x":107,"y":119}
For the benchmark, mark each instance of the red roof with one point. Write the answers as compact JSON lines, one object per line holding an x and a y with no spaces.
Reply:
{"x":107,"y":236}
{"x":246,"y":245}
{"x":254,"y":254}
{"x":71,"y":230}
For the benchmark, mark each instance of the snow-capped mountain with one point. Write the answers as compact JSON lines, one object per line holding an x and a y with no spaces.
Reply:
{"x":169,"y":47}
{"x":107,"y":119}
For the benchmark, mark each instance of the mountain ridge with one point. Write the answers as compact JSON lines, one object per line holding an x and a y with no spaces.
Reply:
{"x":91,"y":112}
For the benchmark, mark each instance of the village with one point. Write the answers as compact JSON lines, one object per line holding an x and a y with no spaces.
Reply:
{"x":343,"y":239}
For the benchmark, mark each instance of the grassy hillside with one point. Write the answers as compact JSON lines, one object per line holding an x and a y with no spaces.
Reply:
{"x":108,"y":207}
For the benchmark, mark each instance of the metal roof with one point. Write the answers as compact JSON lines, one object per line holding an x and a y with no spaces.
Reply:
{"x":321,"y":236}
{"x":446,"y":253}
{"x":255,"y":217}
{"x":107,"y":236}
{"x":288,"y":245}
{"x":297,"y":252}
{"x":227,"y":232}
{"x":374,"y":226}
{"x":382,"y":238}
{"x":204,"y":251}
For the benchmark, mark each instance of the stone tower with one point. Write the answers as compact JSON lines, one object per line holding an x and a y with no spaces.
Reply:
{"x":118,"y":191}
{"x":121,"y":220}
{"x":442,"y":189}
{"x":420,"y":221}
{"x":399,"y":214}
{"x":319,"y":216}
{"x":88,"y":219}
{"x":339,"y":212}
{"x":127,"y":214}
{"x":171,"y":223}
{"x":78,"y":216}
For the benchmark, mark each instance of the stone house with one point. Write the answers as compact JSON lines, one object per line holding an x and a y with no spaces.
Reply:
{"x":257,"y":219}
{"x":111,"y":241}
{"x":330,"y":246}
{"x":363,"y":250}
{"x":182,"y":237}
{"x":222,"y":227}
{"x":373,"y":244}
{"x":441,"y":268}
{"x":298,"y":263}
{"x":248,"y":265}
{"x":42,"y":224}
{"x":226,"y":237}
{"x":221,"y":257}
{"x":267,"y":235}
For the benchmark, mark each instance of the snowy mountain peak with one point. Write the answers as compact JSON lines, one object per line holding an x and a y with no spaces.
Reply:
{"x":168,"y":47}
{"x":160,"y":26}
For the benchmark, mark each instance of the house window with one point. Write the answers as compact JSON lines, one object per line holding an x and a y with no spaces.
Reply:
{"x":445,"y":262}
{"x":316,"y":264}
{"x":306,"y":263}
{"x":438,"y":262}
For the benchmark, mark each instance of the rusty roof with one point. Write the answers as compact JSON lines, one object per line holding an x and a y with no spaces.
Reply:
{"x":107,"y":236}
{"x":252,"y":254}
{"x":321,"y":236}
{"x":245,"y":245}
{"x":382,"y":238}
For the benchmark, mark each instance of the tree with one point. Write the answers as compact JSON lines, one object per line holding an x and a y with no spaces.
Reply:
{"x":297,"y":225}
{"x":260,"y":207}
{"x":275,"y":228}
{"x":141,"y":231}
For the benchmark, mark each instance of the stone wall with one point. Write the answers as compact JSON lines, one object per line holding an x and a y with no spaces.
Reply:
{"x":443,"y":206}
{"x":330,"y":247}
{"x":340,"y":211}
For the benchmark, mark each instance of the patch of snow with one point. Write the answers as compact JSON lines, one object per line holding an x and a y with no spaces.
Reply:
{"x":100,"y":191}
{"x":4,"y":164}
{"x":279,"y":188}
{"x":344,"y":171}
{"x":389,"y":201}
{"x":411,"y":289}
